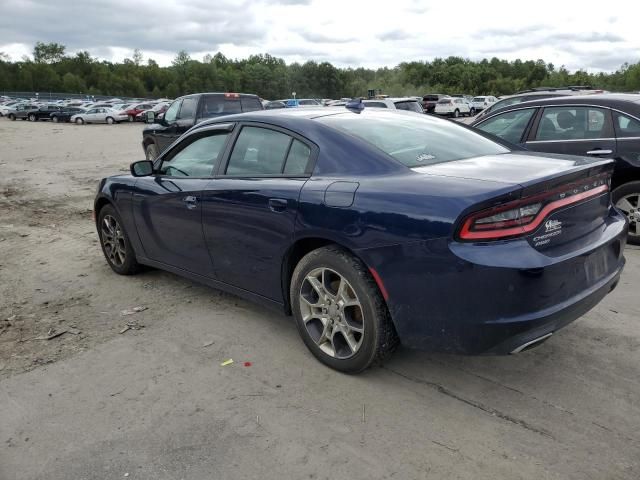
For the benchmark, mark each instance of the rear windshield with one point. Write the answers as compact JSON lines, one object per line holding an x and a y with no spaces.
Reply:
{"x":411,"y":106}
{"x":217,"y":105}
{"x":478,"y":99}
{"x":414,"y":140}
{"x":430,"y":98}
{"x":444,"y":101}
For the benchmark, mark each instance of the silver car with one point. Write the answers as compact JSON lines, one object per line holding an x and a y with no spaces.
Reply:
{"x":99,"y":115}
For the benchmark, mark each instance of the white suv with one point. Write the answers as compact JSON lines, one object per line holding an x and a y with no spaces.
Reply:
{"x":452,"y":106}
{"x":480,"y":103}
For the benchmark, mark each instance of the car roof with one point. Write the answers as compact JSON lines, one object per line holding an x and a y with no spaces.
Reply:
{"x":623,"y":101}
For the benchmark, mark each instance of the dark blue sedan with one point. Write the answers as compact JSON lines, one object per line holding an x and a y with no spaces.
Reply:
{"x":374,"y":228}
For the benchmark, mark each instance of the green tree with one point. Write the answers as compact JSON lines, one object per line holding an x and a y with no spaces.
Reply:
{"x":48,"y":52}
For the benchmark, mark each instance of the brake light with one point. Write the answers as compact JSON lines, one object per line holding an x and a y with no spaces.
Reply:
{"x":232,"y":95}
{"x":520,"y":217}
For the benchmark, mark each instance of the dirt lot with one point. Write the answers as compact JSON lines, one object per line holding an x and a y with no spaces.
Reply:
{"x":154,"y":402}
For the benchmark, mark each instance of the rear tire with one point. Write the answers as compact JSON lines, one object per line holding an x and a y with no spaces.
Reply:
{"x":348,"y":331}
{"x":472,"y":112}
{"x":12,"y":117}
{"x":151,"y":152}
{"x":32,"y":117}
{"x":115,"y":242}
{"x":55,"y":119}
{"x":79,"y":121}
{"x":627,"y":199}
{"x":456,"y":113}
{"x":110,"y":121}
{"x":131,"y":118}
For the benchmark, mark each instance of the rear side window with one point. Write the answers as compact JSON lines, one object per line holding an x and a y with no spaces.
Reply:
{"x":218,"y":105}
{"x":508,"y":125}
{"x":298,"y":159}
{"x":250,"y":104}
{"x":258,"y":151}
{"x":572,"y":123}
{"x":626,"y":126}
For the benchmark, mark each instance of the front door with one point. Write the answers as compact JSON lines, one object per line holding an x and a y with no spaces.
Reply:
{"x":168,"y":205}
{"x":249,"y":210}
{"x":574,"y":130}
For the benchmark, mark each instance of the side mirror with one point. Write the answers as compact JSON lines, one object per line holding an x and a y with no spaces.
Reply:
{"x":151,"y":117}
{"x":143,"y":168}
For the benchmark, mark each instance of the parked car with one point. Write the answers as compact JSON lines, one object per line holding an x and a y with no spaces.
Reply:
{"x":157,"y":109}
{"x":373,"y":228}
{"x":21,"y":111}
{"x":99,"y":115}
{"x":482,"y":102}
{"x":133,"y":110}
{"x":429,"y":101}
{"x":42,"y":113}
{"x":4,"y":109}
{"x":275,"y":104}
{"x":453,"y":107}
{"x":599,"y":126}
{"x":65,"y":114}
{"x":189,"y":110}
{"x":401,"y":103}
{"x":535,"y":94}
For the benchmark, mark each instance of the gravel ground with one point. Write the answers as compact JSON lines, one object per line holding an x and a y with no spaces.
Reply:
{"x":154,"y":402}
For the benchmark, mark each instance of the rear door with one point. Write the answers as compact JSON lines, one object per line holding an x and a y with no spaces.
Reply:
{"x":168,"y":205}
{"x":574,"y":130}
{"x":249,"y":210}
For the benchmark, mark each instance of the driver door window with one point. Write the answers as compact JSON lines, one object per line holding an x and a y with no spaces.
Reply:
{"x":172,"y":112}
{"x":198,"y":159}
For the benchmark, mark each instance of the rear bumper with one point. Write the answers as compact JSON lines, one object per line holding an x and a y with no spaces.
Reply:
{"x":491,"y":299}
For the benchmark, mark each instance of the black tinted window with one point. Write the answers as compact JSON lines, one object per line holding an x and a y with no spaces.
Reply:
{"x":188,"y":109}
{"x":217,"y":105}
{"x":410,"y":106}
{"x":508,"y":125}
{"x":571,"y":123}
{"x":626,"y":126}
{"x":258,"y":151}
{"x":250,"y":104}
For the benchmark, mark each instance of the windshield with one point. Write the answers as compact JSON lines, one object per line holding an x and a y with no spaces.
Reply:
{"x":414,"y":140}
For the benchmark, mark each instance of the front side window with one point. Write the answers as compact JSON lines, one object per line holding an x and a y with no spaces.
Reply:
{"x":414,"y":140}
{"x":258,"y":151}
{"x":198,"y":159}
{"x":571,"y":123}
{"x":626,"y":126}
{"x":508,"y":125}
{"x":172,"y":112}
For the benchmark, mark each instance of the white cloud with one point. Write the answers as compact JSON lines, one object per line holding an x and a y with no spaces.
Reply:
{"x":347,"y":33}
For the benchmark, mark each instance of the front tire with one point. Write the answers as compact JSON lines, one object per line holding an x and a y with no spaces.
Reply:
{"x":339,"y":311}
{"x":151,"y":152}
{"x":472,"y":112}
{"x":12,"y":117}
{"x":110,"y":121}
{"x":55,"y":119}
{"x":627,"y":198}
{"x":32,"y":117}
{"x":79,"y":121}
{"x":131,"y":118}
{"x":115,"y":242}
{"x":456,"y":113}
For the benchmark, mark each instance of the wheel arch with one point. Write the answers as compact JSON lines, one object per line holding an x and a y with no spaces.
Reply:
{"x":298,"y":250}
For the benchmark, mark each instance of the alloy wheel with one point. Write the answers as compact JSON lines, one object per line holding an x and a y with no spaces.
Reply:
{"x":630,"y":205}
{"x":331,"y":312}
{"x":113,"y":240}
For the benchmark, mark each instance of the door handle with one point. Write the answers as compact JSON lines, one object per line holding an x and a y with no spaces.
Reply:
{"x":277,"y":204}
{"x":191,"y":201}
{"x":600,"y":151}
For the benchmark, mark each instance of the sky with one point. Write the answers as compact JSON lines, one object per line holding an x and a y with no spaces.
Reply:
{"x":347,"y":33}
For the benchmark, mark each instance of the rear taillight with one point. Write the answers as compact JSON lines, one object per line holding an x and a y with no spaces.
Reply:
{"x":520,"y":217}
{"x":232,"y":95}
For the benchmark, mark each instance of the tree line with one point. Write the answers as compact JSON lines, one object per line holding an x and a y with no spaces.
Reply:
{"x":51,"y":69}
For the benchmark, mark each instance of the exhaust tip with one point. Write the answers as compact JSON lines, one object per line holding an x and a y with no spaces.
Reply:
{"x":531,"y":343}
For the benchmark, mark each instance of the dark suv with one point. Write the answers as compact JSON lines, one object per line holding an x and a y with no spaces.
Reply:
{"x":186,"y":111}
{"x":429,"y":101}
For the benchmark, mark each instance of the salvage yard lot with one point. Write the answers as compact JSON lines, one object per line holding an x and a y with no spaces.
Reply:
{"x":155,"y":403}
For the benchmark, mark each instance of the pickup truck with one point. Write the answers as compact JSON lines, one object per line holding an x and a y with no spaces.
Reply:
{"x":186,"y":111}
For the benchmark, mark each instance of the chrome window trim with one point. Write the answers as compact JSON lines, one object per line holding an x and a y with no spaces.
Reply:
{"x":574,"y":140}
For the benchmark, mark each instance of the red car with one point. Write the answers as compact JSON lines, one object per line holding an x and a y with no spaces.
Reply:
{"x":137,"y":108}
